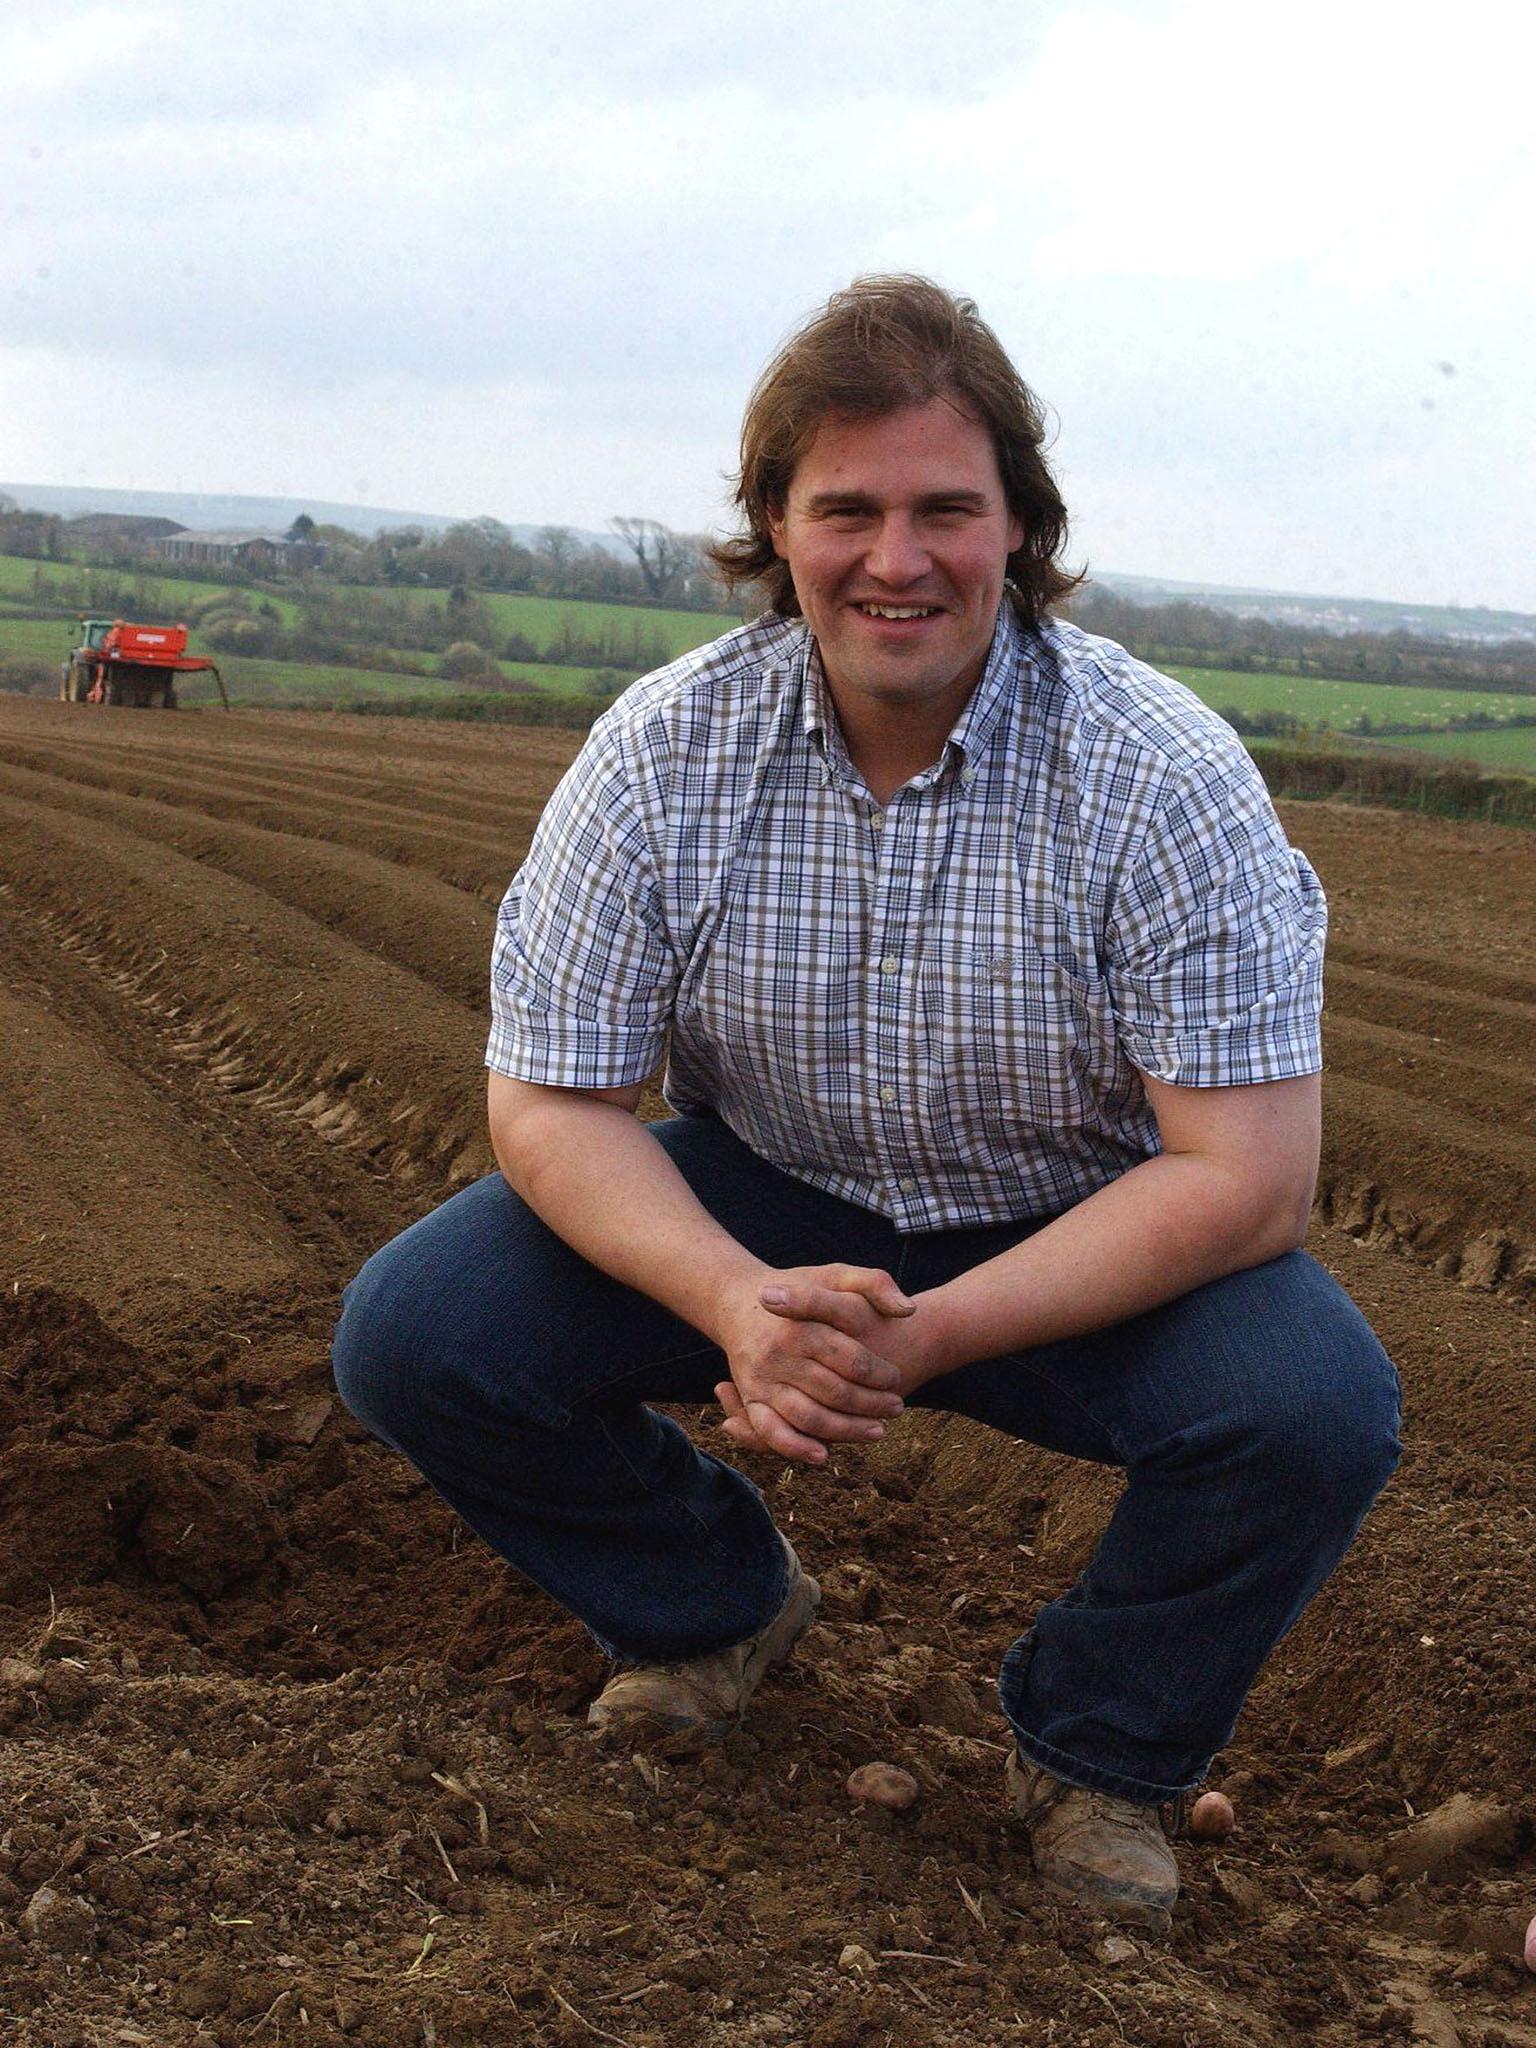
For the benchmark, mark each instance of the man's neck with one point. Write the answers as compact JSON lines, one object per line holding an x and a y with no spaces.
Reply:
{"x":889,"y":744}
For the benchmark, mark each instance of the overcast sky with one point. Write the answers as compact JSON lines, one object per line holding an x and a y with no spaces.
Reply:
{"x":1271,"y":269}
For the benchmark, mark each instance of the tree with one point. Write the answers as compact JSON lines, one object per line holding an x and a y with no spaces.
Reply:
{"x":303,"y":528}
{"x":558,"y":547}
{"x":464,"y":661}
{"x":663,"y":557}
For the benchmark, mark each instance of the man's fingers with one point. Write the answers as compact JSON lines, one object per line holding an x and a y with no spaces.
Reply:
{"x":736,"y":1425}
{"x":800,"y":1301}
{"x":854,"y":1361}
{"x":812,"y":1418}
{"x":807,"y":1299}
{"x":778,"y":1435}
{"x":876,"y":1286}
{"x":836,"y":1390}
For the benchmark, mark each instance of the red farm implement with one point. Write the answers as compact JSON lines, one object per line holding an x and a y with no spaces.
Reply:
{"x":118,"y":663}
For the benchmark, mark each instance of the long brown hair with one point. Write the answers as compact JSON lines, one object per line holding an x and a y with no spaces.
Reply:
{"x":885,"y":343}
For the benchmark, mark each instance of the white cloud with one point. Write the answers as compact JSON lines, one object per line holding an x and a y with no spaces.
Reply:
{"x":487,"y":259}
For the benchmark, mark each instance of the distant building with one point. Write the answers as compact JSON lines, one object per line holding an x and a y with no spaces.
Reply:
{"x":248,"y":550}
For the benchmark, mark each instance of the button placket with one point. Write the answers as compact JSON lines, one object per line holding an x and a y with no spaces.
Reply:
{"x":887,"y":952}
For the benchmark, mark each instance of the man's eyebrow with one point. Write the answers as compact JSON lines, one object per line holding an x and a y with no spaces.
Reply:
{"x":831,"y":501}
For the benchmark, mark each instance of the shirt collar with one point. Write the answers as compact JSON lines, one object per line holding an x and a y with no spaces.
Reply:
{"x":974,"y":727}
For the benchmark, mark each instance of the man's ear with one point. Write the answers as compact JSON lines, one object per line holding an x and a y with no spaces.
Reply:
{"x":775,"y":517}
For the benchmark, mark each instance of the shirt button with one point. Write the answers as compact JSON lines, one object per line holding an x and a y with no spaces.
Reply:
{"x":890,"y":964}
{"x":967,"y":777}
{"x":887,"y":1094}
{"x":877,"y":819}
{"x":907,"y":1187}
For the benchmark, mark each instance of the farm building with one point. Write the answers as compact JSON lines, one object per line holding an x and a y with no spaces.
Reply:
{"x":249,"y":548}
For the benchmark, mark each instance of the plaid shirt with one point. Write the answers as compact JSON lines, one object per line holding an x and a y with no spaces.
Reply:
{"x":940,"y":1009}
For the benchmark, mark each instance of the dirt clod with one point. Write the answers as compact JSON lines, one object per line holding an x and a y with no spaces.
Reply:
{"x":58,"y":1921}
{"x":1462,"y":1830}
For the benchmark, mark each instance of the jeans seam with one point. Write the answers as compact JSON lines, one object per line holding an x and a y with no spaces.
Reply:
{"x":676,"y":1506}
{"x":1066,"y":1394}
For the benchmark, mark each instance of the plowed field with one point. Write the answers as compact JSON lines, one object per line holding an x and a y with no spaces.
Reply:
{"x":289,"y":1758}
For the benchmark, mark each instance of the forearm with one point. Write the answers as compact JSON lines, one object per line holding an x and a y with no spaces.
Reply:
{"x":598,"y":1178}
{"x":1171,"y":1224}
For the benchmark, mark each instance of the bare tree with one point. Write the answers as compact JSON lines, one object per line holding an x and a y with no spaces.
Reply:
{"x":663,"y":556}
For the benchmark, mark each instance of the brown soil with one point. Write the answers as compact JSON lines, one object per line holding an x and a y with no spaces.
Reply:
{"x":289,"y":1758}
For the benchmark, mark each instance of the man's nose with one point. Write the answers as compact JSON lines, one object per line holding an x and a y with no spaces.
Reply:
{"x":897,"y":555}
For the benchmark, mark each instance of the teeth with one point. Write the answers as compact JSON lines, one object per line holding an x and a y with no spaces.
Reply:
{"x":898,"y":611}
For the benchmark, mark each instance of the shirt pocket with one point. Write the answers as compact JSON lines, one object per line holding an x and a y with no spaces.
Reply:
{"x":1038,"y":1038}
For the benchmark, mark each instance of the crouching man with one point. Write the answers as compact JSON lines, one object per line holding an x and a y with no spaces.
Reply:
{"x":988,"y":994}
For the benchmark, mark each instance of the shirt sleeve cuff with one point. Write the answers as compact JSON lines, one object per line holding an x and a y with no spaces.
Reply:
{"x":1265,"y":1045}
{"x":575,"y":1055}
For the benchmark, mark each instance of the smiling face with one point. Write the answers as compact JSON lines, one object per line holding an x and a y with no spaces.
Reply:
{"x":897,"y":535}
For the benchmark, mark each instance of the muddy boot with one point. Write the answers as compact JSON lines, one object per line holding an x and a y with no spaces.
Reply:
{"x":709,"y":1693}
{"x":1110,"y":1856}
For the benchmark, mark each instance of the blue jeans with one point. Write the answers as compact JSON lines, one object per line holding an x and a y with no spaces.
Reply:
{"x":1255,"y":1419}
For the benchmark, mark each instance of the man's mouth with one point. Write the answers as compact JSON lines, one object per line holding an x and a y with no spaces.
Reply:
{"x":897,"y":611}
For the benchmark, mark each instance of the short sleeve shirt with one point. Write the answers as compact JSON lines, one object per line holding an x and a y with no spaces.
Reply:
{"x":941,"y":1008}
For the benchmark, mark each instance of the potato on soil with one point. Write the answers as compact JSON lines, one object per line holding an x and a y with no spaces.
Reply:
{"x":1211,"y":1818}
{"x":884,"y":1785}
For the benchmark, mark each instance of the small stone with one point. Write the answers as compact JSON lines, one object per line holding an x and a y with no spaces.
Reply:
{"x":1365,"y":1891}
{"x":1530,"y":1948}
{"x":19,"y":1674}
{"x":856,"y":1961}
{"x":886,"y":1785}
{"x":1116,"y":1949}
{"x":59,"y":1921}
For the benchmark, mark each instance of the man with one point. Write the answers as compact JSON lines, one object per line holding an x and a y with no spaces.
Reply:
{"x":988,"y":993}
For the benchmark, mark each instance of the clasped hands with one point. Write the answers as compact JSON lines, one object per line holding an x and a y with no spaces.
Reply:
{"x":819,"y":1355}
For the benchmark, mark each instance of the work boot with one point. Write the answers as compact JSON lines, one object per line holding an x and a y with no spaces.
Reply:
{"x":1110,"y":1856}
{"x":710,"y":1693}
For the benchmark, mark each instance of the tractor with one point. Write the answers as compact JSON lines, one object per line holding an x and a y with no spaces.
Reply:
{"x":117,"y":663}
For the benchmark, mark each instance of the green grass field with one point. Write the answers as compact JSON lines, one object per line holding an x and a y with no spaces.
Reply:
{"x":48,"y":640}
{"x":172,"y":597}
{"x":1508,"y":753}
{"x":1318,"y":700}
{"x":543,"y":619}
